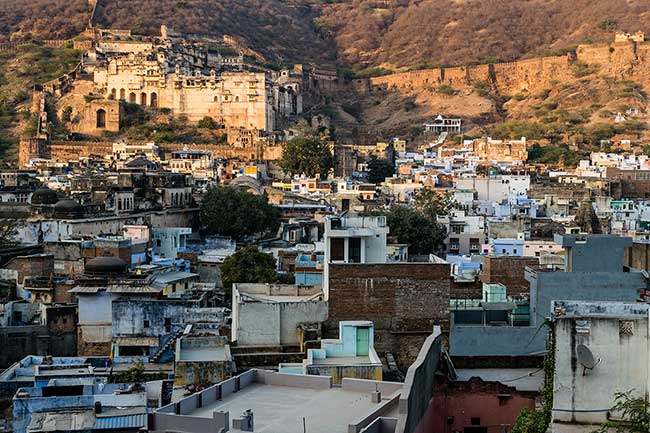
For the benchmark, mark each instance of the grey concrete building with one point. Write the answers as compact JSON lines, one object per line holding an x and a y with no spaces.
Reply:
{"x":593,"y":271}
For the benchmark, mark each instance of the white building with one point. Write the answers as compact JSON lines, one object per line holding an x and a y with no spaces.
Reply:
{"x":354,"y":239}
{"x":601,"y":348}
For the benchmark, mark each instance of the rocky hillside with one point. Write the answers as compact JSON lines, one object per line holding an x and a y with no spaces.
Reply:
{"x":398,"y":33}
{"x":358,"y":33}
{"x":23,"y":20}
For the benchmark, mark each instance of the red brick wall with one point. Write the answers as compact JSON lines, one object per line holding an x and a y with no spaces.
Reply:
{"x":403,"y":300}
{"x":508,"y":271}
{"x":39,"y":265}
{"x":459,"y":402}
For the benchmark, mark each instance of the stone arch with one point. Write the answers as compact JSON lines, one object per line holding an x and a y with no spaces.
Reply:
{"x":113,"y":93}
{"x":101,"y":118}
{"x":122,"y":94}
{"x":153,"y":100}
{"x":143,"y":99}
{"x":132,"y":98}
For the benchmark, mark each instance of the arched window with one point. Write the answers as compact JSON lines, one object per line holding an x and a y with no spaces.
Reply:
{"x":132,"y":98}
{"x":122,"y":94}
{"x":101,"y":118}
{"x":143,"y":99}
{"x":153,"y":100}
{"x":236,"y":98}
{"x":113,"y":93}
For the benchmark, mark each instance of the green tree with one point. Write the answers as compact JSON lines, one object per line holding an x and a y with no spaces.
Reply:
{"x":432,"y":204}
{"x":379,"y":169}
{"x":207,"y":122}
{"x":307,"y":155}
{"x":248,"y":265}
{"x":230,"y":211}
{"x":66,"y":116}
{"x":635,"y":412}
{"x":423,"y":235}
{"x":8,"y":231}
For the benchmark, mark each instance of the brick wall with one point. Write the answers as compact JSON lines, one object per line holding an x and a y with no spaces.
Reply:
{"x":508,"y":271}
{"x":403,"y":300}
{"x":39,"y":265}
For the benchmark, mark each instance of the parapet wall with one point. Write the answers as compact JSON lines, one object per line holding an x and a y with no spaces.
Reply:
{"x":64,"y":151}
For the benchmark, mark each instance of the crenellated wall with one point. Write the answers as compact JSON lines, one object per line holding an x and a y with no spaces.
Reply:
{"x":621,"y":59}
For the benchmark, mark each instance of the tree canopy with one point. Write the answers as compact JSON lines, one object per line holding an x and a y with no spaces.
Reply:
{"x":431,"y":203}
{"x":230,"y":211}
{"x":412,"y":227}
{"x":379,"y":169}
{"x":248,"y":265}
{"x":8,"y":231}
{"x":307,"y":155}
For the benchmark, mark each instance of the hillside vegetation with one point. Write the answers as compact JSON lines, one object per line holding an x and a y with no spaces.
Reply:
{"x":403,"y":33}
{"x":358,"y":33}
{"x":20,"y":69}
{"x":23,"y":20}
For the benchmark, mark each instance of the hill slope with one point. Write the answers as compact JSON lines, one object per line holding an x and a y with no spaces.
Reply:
{"x":359,"y":33}
{"x":409,"y":32}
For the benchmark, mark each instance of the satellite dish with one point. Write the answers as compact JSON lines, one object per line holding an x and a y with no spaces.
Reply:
{"x":586,"y":357}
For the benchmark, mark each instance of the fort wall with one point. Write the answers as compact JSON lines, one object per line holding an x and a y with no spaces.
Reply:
{"x":628,"y":60}
{"x":64,"y":151}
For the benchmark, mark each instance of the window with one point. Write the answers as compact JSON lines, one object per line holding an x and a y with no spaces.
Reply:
{"x":457,"y":229}
{"x":354,"y":255}
{"x":337,"y":249}
{"x":101,"y":118}
{"x":514,"y":251}
{"x":145,"y":324}
{"x":158,"y":243}
{"x":168,"y":324}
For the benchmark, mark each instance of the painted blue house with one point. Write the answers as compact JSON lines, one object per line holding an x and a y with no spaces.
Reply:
{"x":351,"y":355}
{"x":309,"y":270}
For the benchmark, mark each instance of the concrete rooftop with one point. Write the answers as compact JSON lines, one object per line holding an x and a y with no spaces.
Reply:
{"x":282,"y":408}
{"x":203,"y":354}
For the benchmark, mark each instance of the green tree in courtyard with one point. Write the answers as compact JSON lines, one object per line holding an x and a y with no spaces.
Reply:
{"x":307,"y":155}
{"x":248,"y":265}
{"x":230,"y":211}
{"x":379,"y":169}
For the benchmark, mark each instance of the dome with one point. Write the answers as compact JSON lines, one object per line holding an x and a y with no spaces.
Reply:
{"x":248,"y":183}
{"x":44,"y":196}
{"x":105,"y":265}
{"x":68,"y":208}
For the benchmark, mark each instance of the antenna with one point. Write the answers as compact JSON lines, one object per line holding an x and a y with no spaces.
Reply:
{"x":586,"y":358}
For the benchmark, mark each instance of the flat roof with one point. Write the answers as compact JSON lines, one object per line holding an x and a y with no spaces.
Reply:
{"x":282,"y":408}
{"x":203,"y":354}
{"x":344,"y":360}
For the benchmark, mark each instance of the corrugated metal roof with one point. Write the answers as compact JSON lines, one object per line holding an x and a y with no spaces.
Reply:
{"x":82,"y":289}
{"x":169,"y":277}
{"x":121,"y":422}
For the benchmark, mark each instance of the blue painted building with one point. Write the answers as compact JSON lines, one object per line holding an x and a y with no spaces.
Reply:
{"x":309,"y":270}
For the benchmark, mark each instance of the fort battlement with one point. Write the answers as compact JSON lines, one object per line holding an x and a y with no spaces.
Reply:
{"x":626,"y":59}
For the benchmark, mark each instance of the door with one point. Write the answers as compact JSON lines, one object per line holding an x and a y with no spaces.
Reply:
{"x":363,"y":336}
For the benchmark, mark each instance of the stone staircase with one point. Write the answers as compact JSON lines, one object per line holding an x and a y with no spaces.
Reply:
{"x":168,"y":344}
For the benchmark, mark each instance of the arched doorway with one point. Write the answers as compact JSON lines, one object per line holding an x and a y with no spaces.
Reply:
{"x":101,"y":118}
{"x":143,"y":99}
{"x":153,"y":100}
{"x":122,"y":94}
{"x":132,"y":98}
